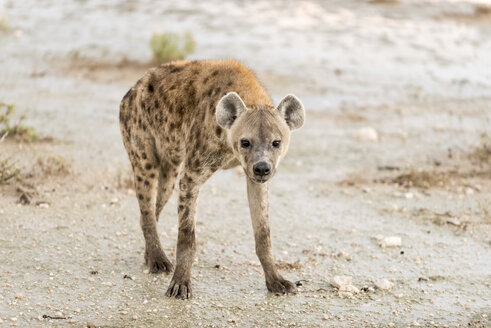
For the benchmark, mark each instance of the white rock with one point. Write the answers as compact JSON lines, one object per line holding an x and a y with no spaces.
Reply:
{"x":344,"y":286}
{"x":349,"y":288}
{"x":366,"y":134}
{"x":43,"y":205}
{"x":383,"y":284}
{"x":392,"y":241}
{"x":339,"y":281}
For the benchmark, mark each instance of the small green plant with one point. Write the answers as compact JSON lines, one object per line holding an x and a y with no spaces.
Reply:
{"x":7,"y":171}
{"x":170,"y":46}
{"x":16,"y":130}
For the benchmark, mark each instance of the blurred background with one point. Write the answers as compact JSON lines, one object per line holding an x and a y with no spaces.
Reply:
{"x":397,"y":144}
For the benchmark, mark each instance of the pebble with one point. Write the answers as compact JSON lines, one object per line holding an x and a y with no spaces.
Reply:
{"x":43,"y":205}
{"x":339,"y":281}
{"x":383,"y":284}
{"x":367,"y":134}
{"x":18,"y":296}
{"x":344,"y":286}
{"x":392,"y":241}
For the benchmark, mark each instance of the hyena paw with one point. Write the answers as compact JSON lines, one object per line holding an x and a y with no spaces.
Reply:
{"x":158,"y":262}
{"x":281,"y":286}
{"x":179,"y":289}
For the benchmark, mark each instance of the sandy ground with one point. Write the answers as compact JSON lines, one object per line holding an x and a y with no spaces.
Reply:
{"x":416,"y":72}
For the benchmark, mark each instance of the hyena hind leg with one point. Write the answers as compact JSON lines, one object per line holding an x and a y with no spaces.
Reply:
{"x":146,"y":173}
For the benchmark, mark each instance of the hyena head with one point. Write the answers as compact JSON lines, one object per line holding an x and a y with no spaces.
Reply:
{"x":259,"y":135}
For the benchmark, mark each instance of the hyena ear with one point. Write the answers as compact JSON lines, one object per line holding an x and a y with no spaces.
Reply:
{"x":291,"y":109}
{"x":229,"y":108}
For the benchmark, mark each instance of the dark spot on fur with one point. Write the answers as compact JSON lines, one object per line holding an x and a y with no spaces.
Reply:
{"x":180,"y":208}
{"x":209,"y":92}
{"x":146,"y":183}
{"x":176,"y":69}
{"x":229,"y":83}
{"x":144,"y":155}
{"x":156,"y":104}
{"x":215,"y":73}
{"x":148,"y":166}
{"x":218,"y":131}
{"x":152,"y":175}
{"x":150,"y":88}
{"x":205,"y":79}
{"x":145,"y":213}
{"x":140,"y":196}
{"x":186,"y":213}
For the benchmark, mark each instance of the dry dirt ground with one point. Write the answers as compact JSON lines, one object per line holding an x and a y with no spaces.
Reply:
{"x":398,"y":97}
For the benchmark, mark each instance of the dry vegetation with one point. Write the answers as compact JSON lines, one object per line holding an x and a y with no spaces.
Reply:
{"x":420,"y":178}
{"x":8,"y":171}
{"x":17,"y":130}
{"x":483,"y":152}
{"x":54,"y":165}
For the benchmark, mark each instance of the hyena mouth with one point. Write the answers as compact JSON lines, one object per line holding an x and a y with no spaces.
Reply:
{"x":261,"y":179}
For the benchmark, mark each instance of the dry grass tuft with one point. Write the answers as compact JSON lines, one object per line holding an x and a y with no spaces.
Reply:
{"x":54,"y":165}
{"x":483,"y":153}
{"x":421,"y":178}
{"x":15,"y":130}
{"x":8,"y":171}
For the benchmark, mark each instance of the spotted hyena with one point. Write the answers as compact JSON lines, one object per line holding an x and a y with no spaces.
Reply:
{"x":192,"y":118}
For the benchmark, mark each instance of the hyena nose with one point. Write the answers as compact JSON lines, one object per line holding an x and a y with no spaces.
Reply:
{"x":262,"y":168}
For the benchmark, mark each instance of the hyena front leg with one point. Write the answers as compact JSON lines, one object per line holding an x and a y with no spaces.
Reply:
{"x":258,"y":205}
{"x":180,"y":285}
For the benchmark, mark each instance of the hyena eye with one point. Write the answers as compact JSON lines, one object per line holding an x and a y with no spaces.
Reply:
{"x":276,"y":143}
{"x":244,"y":143}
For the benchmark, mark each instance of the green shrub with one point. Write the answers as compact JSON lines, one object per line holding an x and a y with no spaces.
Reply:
{"x":16,"y":130}
{"x":170,"y":46}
